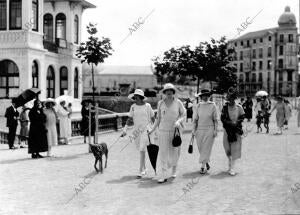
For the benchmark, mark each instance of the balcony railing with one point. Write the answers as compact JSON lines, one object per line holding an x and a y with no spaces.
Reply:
{"x":50,"y":46}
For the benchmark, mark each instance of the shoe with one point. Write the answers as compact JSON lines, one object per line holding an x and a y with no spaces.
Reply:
{"x":13,"y":147}
{"x":207,"y":166}
{"x":162,"y":180}
{"x":33,"y":156}
{"x":202,"y":170}
{"x":39,"y":156}
{"x":232,"y":172}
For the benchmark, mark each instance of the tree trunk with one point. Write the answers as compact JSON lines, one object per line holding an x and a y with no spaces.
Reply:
{"x":198,"y":85}
{"x":93,"y":84}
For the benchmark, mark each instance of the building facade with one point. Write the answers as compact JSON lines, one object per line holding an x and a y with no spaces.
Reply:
{"x":267,"y":59}
{"x":119,"y":78}
{"x":38,"y":42}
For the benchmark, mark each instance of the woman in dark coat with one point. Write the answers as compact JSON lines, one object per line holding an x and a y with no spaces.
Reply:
{"x":85,"y":120}
{"x":37,"y":141}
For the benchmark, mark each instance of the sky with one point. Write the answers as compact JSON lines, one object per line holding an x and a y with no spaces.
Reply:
{"x":173,"y":23}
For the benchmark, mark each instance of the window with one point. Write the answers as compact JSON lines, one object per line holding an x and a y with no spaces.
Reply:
{"x":76,"y":29}
{"x":269,"y":51}
{"x":235,"y":44}
{"x":9,"y":78}
{"x":248,"y":43}
{"x":260,"y":65}
{"x":270,"y":38}
{"x":242,"y":43}
{"x":35,"y":75}
{"x":50,"y":82}
{"x":269,"y":64}
{"x":241,"y":55}
{"x":35,"y":15}
{"x":260,"y":53}
{"x":280,"y":64}
{"x":254,"y":41}
{"x":254,"y":53}
{"x":247,"y":77}
{"x":253,"y":77}
{"x":261,"y":40}
{"x":241,"y":79}
{"x":76,"y":81}
{"x":63,"y":80}
{"x":15,"y":14}
{"x":60,"y":26}
{"x":253,"y":66}
{"x":48,"y":27}
{"x":291,"y":38}
{"x":280,"y":76}
{"x":3,"y":14}
{"x":281,"y":38}
{"x":241,"y":67}
{"x":290,"y":76}
{"x":260,"y":77}
{"x":280,"y":50}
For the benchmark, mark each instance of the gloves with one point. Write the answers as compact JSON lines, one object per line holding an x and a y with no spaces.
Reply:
{"x":177,"y":124}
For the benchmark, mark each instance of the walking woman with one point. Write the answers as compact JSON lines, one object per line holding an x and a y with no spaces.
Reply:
{"x":288,"y":113}
{"x":205,"y":128}
{"x":24,"y":131}
{"x":280,"y":114}
{"x":142,"y":116}
{"x":63,"y":114}
{"x":51,"y":119}
{"x":85,"y":120}
{"x":232,"y":117}
{"x":37,"y":141}
{"x":170,"y":115}
{"x":298,"y":113}
{"x":248,"y":104}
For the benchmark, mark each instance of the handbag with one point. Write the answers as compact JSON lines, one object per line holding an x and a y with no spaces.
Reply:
{"x":177,"y":139}
{"x":190,"y":150}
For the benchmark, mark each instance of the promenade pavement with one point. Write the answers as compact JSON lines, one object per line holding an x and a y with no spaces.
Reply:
{"x":267,"y":182}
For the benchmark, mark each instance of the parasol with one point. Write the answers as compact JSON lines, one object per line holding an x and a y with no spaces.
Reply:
{"x":26,"y":96}
{"x":261,"y":93}
{"x":152,"y":153}
{"x":68,"y":99}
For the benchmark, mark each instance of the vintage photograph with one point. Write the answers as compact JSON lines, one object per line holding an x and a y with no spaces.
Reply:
{"x":151,"y":107}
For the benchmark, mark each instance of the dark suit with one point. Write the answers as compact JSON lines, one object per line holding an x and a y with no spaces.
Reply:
{"x":12,"y":122}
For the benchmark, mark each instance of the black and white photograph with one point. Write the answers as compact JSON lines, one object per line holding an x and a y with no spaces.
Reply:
{"x":151,"y":107}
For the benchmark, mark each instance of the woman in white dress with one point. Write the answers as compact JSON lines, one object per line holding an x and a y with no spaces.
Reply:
{"x":63,"y":121}
{"x":51,"y":119}
{"x":205,"y":128}
{"x":170,"y":115}
{"x":142,"y":116}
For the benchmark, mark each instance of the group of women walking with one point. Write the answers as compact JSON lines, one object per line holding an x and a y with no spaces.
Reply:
{"x":170,"y":117}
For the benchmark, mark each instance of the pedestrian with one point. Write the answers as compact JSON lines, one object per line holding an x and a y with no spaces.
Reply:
{"x":24,"y":122}
{"x":69,"y":109}
{"x":259,"y":115}
{"x":170,"y":116}
{"x":298,"y":114}
{"x":189,"y":109}
{"x":232,"y":117}
{"x":280,"y":114}
{"x":242,"y":101}
{"x":288,"y":113}
{"x":248,"y":104}
{"x":205,"y":128}
{"x":11,"y":115}
{"x":51,"y":119}
{"x":85,"y":120}
{"x":37,"y":141}
{"x":142,"y":116}
{"x":63,"y":113}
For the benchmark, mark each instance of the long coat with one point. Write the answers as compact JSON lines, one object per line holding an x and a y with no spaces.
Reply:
{"x":85,"y":122}
{"x":37,"y":141}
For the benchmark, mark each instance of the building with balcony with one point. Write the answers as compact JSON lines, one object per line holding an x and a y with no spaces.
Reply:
{"x":38,"y":42}
{"x":267,"y":59}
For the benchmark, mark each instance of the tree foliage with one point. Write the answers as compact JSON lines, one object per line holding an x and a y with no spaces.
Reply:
{"x":209,"y":61}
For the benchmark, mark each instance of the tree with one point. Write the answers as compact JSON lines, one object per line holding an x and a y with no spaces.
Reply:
{"x":94,"y":51}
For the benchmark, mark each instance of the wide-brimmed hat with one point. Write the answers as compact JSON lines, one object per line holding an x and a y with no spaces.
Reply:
{"x":137,"y":92}
{"x":232,"y":93}
{"x":204,"y":92}
{"x":168,"y":86}
{"x":50,"y":100}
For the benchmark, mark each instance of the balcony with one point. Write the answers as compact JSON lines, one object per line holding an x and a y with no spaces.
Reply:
{"x":60,"y":46}
{"x":50,"y":46}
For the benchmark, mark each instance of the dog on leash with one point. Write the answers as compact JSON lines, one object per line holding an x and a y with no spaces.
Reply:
{"x":99,"y":150}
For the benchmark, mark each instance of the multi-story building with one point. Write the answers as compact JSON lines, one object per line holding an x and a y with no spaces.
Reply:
{"x":38,"y":42}
{"x":267,"y":59}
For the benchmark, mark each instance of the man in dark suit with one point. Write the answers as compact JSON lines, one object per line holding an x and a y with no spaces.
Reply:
{"x":12,"y":115}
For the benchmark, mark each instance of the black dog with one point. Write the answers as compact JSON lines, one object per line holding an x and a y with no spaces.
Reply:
{"x":98,"y":150}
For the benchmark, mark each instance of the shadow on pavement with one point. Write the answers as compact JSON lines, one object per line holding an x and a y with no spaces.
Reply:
{"x":192,"y":174}
{"x":59,"y":158}
{"x":151,"y":183}
{"x":220,"y":175}
{"x":15,"y":161}
{"x":91,"y":174}
{"x":122,"y":180}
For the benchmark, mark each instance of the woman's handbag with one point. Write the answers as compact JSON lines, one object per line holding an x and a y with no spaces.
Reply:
{"x":190,"y":150}
{"x":177,"y":139}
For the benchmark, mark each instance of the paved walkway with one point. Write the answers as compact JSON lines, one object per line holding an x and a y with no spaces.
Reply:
{"x":67,"y":184}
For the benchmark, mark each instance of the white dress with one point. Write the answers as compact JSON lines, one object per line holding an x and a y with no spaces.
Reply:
{"x":63,"y":122}
{"x":141,"y":115}
{"x":51,"y":127}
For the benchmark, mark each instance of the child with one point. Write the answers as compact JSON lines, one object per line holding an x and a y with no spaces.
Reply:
{"x":142,"y":115}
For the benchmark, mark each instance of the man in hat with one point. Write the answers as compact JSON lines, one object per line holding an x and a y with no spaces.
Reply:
{"x":11,"y":115}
